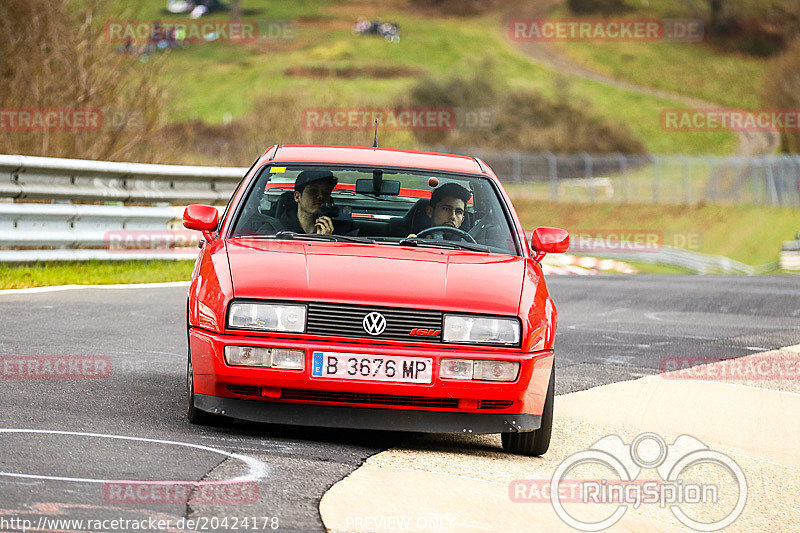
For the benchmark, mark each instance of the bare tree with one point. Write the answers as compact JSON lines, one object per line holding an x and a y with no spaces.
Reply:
{"x":715,"y":8}
{"x":781,"y":90}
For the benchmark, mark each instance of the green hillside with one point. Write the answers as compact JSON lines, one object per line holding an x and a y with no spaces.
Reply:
{"x":327,"y":65}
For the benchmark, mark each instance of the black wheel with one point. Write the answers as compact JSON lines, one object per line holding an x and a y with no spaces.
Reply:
{"x":460,"y":233}
{"x":195,"y":415}
{"x":538,"y":441}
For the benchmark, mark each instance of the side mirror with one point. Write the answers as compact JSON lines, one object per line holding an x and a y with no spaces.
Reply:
{"x":549,"y":241}
{"x":202,"y":218}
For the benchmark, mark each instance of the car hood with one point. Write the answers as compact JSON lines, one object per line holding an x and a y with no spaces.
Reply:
{"x":385,"y":275}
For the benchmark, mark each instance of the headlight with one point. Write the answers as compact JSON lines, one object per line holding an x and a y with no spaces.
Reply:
{"x":268,"y":317}
{"x":469,"y":329}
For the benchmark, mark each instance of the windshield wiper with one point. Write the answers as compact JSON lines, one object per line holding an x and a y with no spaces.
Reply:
{"x":443,"y":244}
{"x":322,"y":237}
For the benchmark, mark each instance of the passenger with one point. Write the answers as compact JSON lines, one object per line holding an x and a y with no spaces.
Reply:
{"x":310,"y":208}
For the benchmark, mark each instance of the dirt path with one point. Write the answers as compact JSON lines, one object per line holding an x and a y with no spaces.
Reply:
{"x":750,"y":143}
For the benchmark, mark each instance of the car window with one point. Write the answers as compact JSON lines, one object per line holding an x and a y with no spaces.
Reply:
{"x":388,"y":215}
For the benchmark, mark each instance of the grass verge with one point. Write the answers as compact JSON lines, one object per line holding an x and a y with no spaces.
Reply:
{"x":44,"y":274}
{"x":691,"y":69}
{"x":750,"y":234}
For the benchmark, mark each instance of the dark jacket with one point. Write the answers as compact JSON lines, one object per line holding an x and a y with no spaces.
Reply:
{"x":288,"y":221}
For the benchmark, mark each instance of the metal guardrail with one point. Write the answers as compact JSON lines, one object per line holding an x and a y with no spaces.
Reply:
{"x":27,"y":177}
{"x":659,"y":179}
{"x":790,"y":255}
{"x":790,"y":260}
{"x":72,"y":231}
{"x":694,"y":261}
{"x":71,"y":225}
{"x":32,"y":256}
{"x":77,"y":232}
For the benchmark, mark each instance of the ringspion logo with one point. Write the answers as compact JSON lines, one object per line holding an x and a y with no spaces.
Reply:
{"x":690,"y":476}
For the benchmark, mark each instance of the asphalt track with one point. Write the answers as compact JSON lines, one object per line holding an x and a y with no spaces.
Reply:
{"x":611,"y":328}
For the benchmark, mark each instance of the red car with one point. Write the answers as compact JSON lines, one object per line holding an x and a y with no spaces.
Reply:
{"x":372,"y":288}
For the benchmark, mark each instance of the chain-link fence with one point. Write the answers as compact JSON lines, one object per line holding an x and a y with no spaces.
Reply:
{"x":686,"y":180}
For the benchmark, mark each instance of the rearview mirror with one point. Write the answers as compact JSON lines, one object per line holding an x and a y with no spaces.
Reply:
{"x":388,"y":187}
{"x":203,"y":218}
{"x":549,"y":241}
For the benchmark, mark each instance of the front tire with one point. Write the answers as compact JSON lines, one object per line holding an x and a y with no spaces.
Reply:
{"x":534,"y":442}
{"x":195,"y":415}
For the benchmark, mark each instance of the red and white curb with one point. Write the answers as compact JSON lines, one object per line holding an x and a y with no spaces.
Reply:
{"x":583,"y":266}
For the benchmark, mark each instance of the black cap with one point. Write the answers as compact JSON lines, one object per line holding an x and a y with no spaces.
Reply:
{"x":307,"y":176}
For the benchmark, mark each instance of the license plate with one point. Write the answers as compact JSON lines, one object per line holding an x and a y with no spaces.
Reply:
{"x":367,"y":367}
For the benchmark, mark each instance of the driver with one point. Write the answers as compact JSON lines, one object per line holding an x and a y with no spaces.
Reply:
{"x":447,"y":207}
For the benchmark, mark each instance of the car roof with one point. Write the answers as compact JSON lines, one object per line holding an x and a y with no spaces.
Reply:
{"x":361,"y":155}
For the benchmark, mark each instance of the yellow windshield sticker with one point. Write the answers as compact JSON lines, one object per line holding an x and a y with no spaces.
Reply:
{"x":277,"y":170}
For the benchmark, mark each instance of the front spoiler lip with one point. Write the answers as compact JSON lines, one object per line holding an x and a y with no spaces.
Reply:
{"x":366,"y":418}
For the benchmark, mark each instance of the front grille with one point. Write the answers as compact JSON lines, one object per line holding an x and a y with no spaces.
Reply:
{"x":244,"y":390}
{"x":494,"y":404}
{"x":375,"y":399}
{"x":347,"y":321}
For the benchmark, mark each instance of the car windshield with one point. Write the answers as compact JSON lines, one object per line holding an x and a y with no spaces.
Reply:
{"x":377,"y":206}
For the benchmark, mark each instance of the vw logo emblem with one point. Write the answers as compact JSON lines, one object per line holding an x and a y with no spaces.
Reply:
{"x":374,"y":323}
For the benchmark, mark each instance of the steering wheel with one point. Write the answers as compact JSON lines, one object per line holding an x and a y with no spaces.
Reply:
{"x":456,"y":231}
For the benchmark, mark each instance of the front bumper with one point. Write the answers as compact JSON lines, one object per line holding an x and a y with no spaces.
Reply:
{"x":267,"y":394}
{"x":366,"y":418}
